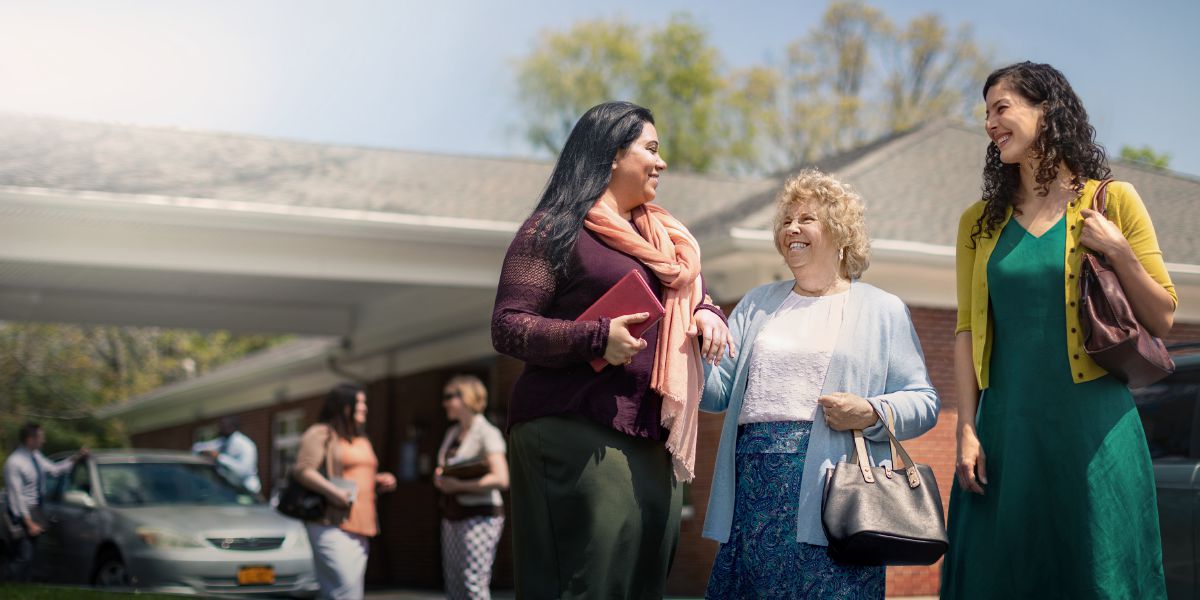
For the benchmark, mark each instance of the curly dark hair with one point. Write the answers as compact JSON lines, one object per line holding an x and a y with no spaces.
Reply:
{"x":1065,"y":137}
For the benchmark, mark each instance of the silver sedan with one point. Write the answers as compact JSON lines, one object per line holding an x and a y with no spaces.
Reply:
{"x":168,"y":521}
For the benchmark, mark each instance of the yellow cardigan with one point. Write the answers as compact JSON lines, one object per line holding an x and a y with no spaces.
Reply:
{"x":1125,"y":209}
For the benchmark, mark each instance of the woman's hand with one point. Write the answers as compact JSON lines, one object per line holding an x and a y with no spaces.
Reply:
{"x":715,"y":335}
{"x":845,"y":411}
{"x":1103,"y":236}
{"x":622,"y":345}
{"x":339,"y":498}
{"x":447,"y":485}
{"x":971,"y":467}
{"x":385,"y":482}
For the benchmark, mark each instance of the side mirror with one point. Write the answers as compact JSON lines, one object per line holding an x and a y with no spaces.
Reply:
{"x":79,"y":498}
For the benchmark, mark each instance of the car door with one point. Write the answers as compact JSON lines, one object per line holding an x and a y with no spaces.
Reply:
{"x":76,"y":524}
{"x":47,"y":556}
{"x":1170,"y":416}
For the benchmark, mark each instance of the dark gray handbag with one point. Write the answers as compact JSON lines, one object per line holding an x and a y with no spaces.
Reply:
{"x":880,"y":516}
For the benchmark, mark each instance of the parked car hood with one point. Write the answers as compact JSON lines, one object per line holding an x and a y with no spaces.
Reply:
{"x":240,"y":521}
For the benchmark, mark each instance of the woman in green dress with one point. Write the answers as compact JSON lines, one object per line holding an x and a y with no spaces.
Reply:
{"x":1054,"y":491}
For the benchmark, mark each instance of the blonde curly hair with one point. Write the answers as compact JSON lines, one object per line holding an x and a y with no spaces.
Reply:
{"x":840,"y":210}
{"x":471,"y":390}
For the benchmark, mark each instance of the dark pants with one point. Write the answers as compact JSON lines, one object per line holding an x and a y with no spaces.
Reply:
{"x":19,"y":565}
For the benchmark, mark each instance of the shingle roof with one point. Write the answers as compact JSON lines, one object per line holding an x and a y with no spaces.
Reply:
{"x":70,"y":155}
{"x":917,"y":184}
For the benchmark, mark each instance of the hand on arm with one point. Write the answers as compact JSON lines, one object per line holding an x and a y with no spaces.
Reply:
{"x":715,"y":338}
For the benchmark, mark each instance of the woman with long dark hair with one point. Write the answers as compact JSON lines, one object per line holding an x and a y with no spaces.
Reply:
{"x":337,"y":461}
{"x":1054,"y":495}
{"x":598,"y":457}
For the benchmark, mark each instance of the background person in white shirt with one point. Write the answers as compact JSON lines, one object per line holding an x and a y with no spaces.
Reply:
{"x":235,"y":451}
{"x":25,"y":473}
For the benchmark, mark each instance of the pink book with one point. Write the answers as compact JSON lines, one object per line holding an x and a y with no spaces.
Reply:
{"x":628,"y":296}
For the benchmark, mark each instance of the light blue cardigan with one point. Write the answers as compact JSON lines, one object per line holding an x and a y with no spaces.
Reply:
{"x":877,"y":356}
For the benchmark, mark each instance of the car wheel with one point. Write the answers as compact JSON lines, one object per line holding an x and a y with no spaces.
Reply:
{"x":110,"y":571}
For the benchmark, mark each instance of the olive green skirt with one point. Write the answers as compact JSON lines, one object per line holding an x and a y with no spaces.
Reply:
{"x":595,"y":512}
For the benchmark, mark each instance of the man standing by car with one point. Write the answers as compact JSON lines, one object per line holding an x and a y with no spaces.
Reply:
{"x":235,"y":451}
{"x":25,"y":474}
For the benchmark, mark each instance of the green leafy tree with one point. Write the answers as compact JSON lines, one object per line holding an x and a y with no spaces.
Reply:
{"x":682,"y":84}
{"x":673,"y":69}
{"x":1145,"y":156}
{"x":854,"y":77}
{"x":826,"y":77}
{"x":571,"y":71}
{"x":60,"y":375}
{"x":933,"y":73}
{"x":858,"y":76}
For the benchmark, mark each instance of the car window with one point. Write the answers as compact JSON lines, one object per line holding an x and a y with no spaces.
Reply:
{"x":80,"y":480}
{"x":1168,"y":414}
{"x":137,"y":484}
{"x":53,"y":489}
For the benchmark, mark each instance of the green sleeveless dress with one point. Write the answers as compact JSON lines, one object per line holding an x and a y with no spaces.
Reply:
{"x":1070,"y":508}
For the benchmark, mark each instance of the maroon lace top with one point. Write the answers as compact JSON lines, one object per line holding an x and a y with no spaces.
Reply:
{"x":534,"y":321}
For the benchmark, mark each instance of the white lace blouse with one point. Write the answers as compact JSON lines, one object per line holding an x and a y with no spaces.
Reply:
{"x":791,"y":356}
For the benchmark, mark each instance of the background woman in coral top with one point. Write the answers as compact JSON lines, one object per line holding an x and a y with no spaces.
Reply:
{"x":340,"y":540}
{"x":598,"y":458}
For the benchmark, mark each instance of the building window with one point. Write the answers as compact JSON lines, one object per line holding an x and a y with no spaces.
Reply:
{"x":286,"y":429}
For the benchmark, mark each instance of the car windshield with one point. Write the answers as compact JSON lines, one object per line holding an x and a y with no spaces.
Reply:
{"x":139,"y":484}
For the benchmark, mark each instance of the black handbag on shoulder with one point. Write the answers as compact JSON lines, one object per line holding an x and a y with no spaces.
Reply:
{"x":299,"y":502}
{"x":883,"y":516}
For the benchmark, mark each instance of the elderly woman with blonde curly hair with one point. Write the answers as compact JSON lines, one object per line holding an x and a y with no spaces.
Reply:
{"x":822,"y":354}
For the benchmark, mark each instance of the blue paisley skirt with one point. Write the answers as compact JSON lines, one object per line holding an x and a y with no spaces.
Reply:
{"x":762,"y":558}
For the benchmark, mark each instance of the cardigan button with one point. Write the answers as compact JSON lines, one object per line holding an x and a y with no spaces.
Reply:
{"x":1070,"y":276}
{"x":1072,"y":303}
{"x":1072,"y":250}
{"x":1079,"y":375}
{"x":1076,"y":357}
{"x":1072,"y":330}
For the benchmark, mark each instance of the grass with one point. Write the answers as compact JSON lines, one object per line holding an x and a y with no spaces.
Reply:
{"x":14,"y":591}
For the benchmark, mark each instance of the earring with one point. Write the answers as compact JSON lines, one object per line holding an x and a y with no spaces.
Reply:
{"x":841,"y":254}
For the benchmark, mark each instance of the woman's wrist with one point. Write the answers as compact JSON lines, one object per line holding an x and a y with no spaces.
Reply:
{"x":716,"y":310}
{"x":965,"y":429}
{"x":1124,"y":259}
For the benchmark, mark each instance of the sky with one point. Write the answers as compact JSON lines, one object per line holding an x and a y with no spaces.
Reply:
{"x":438,"y":76}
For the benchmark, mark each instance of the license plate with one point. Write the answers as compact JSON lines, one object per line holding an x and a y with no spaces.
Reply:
{"x":256,"y":575}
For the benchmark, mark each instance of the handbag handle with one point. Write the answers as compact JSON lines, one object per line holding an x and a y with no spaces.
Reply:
{"x":1100,"y":205}
{"x":1100,"y":198}
{"x":864,"y":462}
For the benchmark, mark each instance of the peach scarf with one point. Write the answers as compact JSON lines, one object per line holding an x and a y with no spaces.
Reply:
{"x":670,"y":251}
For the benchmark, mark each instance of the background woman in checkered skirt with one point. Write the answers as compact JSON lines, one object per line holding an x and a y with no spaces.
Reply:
{"x":472,"y":509}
